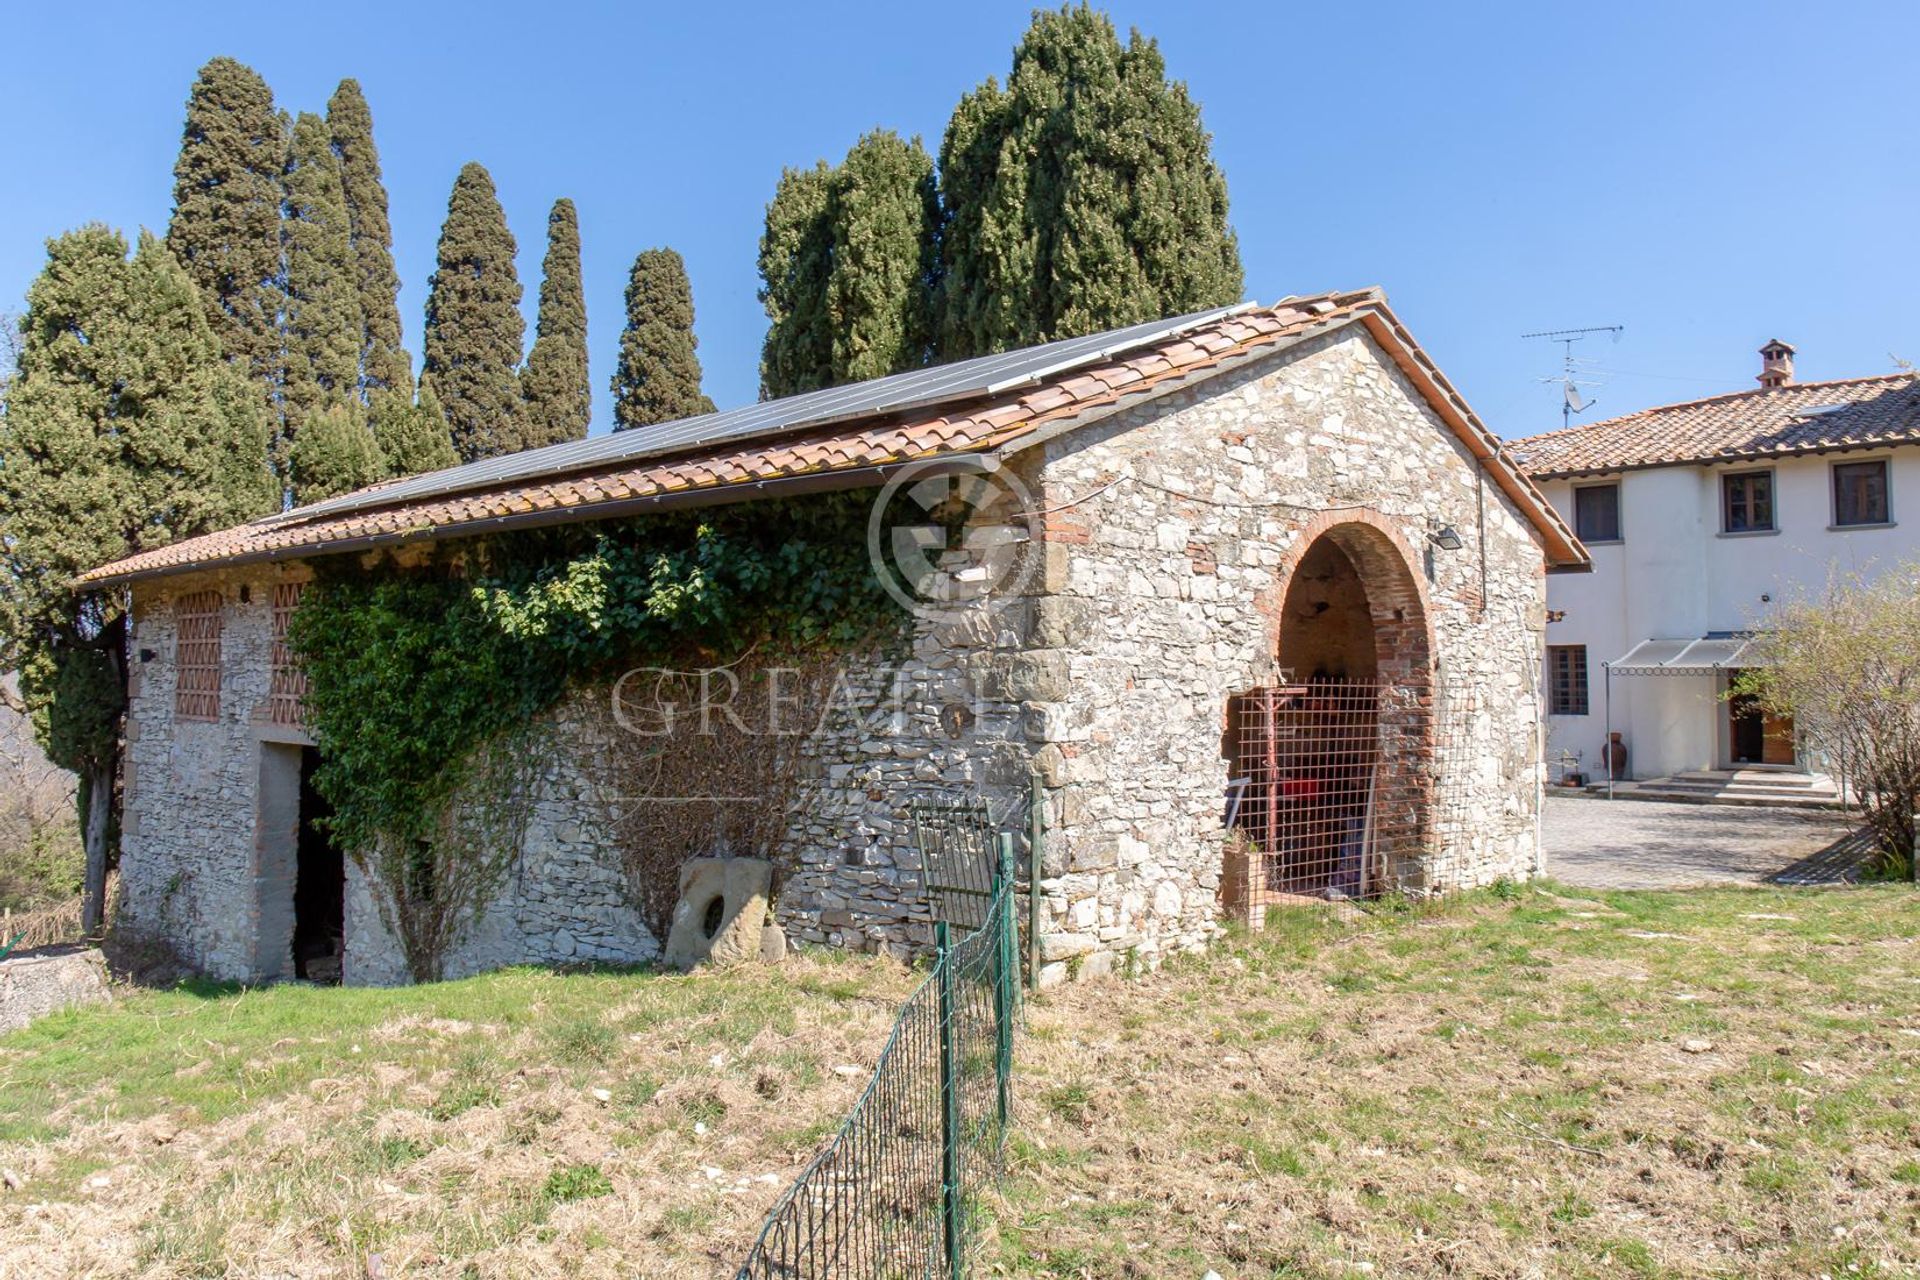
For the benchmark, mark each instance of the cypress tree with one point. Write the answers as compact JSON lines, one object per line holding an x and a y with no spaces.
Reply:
{"x":474,"y":326}
{"x":123,"y":428}
{"x":559,"y":399}
{"x":796,"y":259}
{"x":226,"y":212}
{"x":881,"y":213}
{"x":1081,"y":197}
{"x":658,"y":377}
{"x":384,"y":363}
{"x":412,"y":435}
{"x":324,"y":329}
{"x":335,"y":453}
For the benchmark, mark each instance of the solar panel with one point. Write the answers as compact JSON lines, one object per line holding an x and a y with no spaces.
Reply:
{"x":917,"y":388}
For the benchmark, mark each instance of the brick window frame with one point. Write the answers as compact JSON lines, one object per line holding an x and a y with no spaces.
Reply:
{"x":287,"y":684}
{"x":1567,"y":680}
{"x":196,"y":656}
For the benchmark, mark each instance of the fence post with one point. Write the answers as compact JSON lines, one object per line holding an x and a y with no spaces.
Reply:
{"x":1003,"y":984}
{"x":1036,"y":858}
{"x":949,"y":1106}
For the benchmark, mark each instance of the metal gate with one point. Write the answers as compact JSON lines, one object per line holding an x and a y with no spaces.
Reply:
{"x":956,"y":840}
{"x":1331,"y":787}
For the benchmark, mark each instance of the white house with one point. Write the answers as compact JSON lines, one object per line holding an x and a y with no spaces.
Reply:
{"x":1699,"y":516}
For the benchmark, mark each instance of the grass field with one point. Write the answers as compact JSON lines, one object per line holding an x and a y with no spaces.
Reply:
{"x":1537,"y":1083}
{"x":1531,"y":1083}
{"x":522,"y":1124}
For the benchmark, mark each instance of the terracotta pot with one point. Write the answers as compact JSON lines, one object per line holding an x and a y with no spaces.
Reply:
{"x":1616,"y":756}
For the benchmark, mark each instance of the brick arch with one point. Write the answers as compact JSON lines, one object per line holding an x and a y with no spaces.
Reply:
{"x":1383,"y":697}
{"x":1396,"y":591}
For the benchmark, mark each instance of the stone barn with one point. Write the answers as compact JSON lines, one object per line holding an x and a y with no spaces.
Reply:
{"x":1247,"y":605}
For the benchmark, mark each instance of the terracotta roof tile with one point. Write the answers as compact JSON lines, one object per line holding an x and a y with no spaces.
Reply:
{"x":953,"y":428}
{"x":1805,"y":417}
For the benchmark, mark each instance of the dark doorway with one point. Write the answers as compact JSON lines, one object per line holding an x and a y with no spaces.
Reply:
{"x":319,"y":887}
{"x":1757,"y":736}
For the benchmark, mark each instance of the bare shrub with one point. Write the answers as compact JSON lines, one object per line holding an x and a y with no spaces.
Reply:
{"x":431,"y":892}
{"x":41,"y":862}
{"x":1846,"y":667}
{"x":702,"y":763}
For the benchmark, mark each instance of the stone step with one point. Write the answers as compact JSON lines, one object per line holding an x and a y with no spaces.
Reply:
{"x":1679,"y":793}
{"x":1755,"y":780}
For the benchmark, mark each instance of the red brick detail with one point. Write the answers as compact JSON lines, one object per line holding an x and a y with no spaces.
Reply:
{"x":196,"y":656}
{"x":1061,"y":526}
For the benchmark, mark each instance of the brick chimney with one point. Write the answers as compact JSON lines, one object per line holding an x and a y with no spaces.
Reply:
{"x":1776,"y":364}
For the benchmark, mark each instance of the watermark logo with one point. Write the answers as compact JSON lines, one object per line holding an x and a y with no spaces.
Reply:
{"x":947,"y":544}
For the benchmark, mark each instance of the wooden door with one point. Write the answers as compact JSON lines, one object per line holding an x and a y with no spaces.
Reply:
{"x":1776,"y":739}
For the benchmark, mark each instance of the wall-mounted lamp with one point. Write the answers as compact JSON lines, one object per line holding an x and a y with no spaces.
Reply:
{"x":1447,"y":538}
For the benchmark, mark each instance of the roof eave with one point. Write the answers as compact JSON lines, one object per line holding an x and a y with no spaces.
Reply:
{"x":677,"y":500}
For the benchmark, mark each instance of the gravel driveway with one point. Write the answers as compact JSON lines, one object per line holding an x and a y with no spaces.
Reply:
{"x":1640,"y":844}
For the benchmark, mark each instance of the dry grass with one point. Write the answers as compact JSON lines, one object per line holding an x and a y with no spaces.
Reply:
{"x":1532,"y":1084}
{"x":46,"y":927}
{"x":522,"y":1124}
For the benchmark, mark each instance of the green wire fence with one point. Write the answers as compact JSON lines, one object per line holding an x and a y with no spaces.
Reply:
{"x":894,"y":1195}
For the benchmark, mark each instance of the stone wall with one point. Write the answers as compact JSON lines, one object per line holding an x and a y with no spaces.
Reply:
{"x":565,"y":900}
{"x":1180,"y":518}
{"x":189,"y":866}
{"x":204,"y":861}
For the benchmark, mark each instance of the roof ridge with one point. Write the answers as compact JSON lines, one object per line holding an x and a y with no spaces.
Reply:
{"x":1712,"y":399}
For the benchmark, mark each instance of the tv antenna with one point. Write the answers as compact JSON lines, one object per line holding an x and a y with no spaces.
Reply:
{"x":1570,"y":400}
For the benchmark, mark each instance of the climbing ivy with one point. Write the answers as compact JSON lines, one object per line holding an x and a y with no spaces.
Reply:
{"x":416,"y":674}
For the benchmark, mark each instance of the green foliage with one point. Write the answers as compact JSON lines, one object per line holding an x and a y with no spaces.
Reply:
{"x":412,"y":672}
{"x":323,"y":324}
{"x":336,"y":453}
{"x":45,"y":870}
{"x":123,"y":429}
{"x":474,"y":326}
{"x":1081,"y":197}
{"x":658,"y":377}
{"x":226,"y":212}
{"x":559,"y":399}
{"x":846,"y":264}
{"x":384,"y":364}
{"x":576,"y":1182}
{"x":796,"y":261}
{"x":1846,"y":666}
{"x":412,"y":435}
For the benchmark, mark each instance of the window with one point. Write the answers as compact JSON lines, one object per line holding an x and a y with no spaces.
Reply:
{"x":287,"y":684}
{"x":196,"y":656}
{"x":1860,"y":493}
{"x":1596,"y":512}
{"x":1746,"y":502}
{"x":1566,"y":679}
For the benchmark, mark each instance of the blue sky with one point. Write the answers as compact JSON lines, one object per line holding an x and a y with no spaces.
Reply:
{"x":1708,"y":175}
